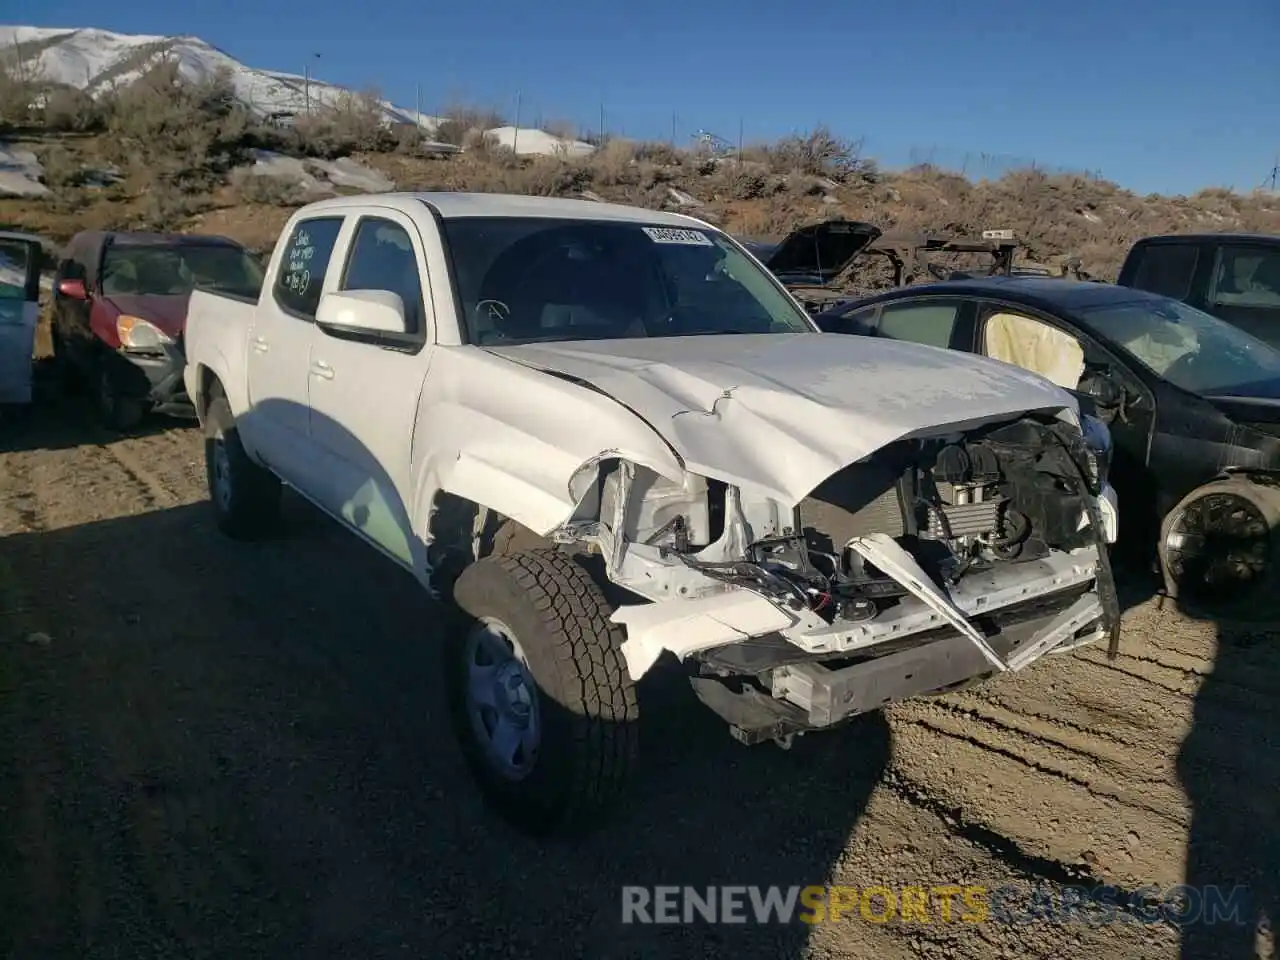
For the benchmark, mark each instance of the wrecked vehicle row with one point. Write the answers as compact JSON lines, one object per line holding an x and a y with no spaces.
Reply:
{"x":611,"y":436}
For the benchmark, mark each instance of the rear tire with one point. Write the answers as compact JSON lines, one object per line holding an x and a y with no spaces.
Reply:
{"x":245,"y":496}
{"x":563,"y":673}
{"x":1219,"y":551}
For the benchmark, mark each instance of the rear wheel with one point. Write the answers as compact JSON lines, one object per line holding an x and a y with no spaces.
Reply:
{"x":1219,"y":550}
{"x":542,"y":704}
{"x":245,"y":496}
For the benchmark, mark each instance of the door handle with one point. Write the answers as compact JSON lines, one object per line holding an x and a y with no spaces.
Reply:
{"x":260,"y":344}
{"x":321,"y":369}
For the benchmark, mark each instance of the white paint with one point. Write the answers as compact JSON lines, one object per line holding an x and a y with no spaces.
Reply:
{"x":779,"y":413}
{"x":687,"y":626}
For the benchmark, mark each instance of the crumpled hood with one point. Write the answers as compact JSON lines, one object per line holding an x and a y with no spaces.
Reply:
{"x":780,"y":413}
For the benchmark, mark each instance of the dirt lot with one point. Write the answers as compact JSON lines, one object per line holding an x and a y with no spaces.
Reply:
{"x":224,"y":750}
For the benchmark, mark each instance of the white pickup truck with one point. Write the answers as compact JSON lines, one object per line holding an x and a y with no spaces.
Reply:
{"x":608,"y":434}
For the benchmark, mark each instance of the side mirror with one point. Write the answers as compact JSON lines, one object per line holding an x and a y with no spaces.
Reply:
{"x":362,"y":311}
{"x":1099,"y":387}
{"x":73,"y":289}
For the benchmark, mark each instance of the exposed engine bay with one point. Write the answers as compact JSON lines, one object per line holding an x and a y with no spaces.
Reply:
{"x":960,"y":556}
{"x":1007,"y":494}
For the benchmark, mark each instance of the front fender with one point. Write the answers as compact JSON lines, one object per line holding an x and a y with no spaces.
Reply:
{"x":512,"y":439}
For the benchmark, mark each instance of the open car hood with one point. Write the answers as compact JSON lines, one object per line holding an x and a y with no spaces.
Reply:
{"x":817,"y":253}
{"x":779,"y":413}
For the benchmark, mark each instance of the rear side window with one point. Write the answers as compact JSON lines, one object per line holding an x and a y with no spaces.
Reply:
{"x":929,"y":323}
{"x":1247,"y":276}
{"x":302,"y":268}
{"x":1167,"y":269}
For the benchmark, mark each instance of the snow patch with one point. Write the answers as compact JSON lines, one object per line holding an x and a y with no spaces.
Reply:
{"x":319,"y":176}
{"x":20,"y":173}
{"x":682,"y":199}
{"x":530,"y":142}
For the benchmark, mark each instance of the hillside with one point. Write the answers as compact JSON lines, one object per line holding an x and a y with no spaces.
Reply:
{"x":113,"y":131}
{"x":95,"y":60}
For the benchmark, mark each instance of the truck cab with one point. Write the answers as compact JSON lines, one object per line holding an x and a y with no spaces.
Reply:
{"x":1235,"y":277}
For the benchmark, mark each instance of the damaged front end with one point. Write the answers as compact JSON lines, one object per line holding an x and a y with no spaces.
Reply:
{"x":932,"y":563}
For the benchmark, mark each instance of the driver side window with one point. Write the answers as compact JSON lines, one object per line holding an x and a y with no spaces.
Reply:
{"x":1033,"y":345}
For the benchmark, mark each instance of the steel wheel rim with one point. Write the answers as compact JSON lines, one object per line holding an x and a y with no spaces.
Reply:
{"x":1218,"y":549}
{"x":501,"y":699}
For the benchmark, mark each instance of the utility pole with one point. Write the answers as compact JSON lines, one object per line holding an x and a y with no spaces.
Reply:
{"x":515,"y":133}
{"x":417,"y":102}
{"x":739,"y":141}
{"x":601,"y":134}
{"x":673,"y":128}
{"x":306,"y":83}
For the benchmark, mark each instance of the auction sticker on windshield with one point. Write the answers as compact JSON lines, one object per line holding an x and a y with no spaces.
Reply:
{"x":676,"y":235}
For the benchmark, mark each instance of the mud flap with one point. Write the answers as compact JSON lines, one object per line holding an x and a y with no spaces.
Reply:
{"x":884,"y":552}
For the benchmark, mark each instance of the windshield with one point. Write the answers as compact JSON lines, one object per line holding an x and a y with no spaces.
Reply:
{"x":171,"y":271}
{"x":1188,"y":347}
{"x":522,"y":280}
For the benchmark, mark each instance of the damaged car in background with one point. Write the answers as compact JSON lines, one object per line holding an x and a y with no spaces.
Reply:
{"x":612,"y":438}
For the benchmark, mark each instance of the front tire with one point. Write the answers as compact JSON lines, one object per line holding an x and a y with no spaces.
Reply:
{"x":1219,"y":550}
{"x":245,"y":496}
{"x":116,"y":410}
{"x":541,"y":701}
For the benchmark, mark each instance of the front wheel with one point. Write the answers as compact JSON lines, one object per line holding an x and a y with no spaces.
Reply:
{"x":541,"y":700}
{"x":117,"y":410}
{"x":1219,"y":550}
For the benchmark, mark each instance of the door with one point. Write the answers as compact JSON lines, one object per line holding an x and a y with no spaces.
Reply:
{"x":365,"y":387}
{"x":277,"y":425}
{"x":1245,"y":288}
{"x":1066,"y":357}
{"x":20,"y":261}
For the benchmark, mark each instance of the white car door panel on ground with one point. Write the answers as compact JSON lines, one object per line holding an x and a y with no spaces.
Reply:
{"x":279,"y":351}
{"x":364,"y":391}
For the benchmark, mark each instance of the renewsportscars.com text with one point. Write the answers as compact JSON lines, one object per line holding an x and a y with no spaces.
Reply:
{"x":943,"y":903}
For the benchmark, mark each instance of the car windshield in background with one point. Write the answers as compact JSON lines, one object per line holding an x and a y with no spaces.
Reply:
{"x":171,"y":271}
{"x":1188,"y":347}
{"x":523,"y":280}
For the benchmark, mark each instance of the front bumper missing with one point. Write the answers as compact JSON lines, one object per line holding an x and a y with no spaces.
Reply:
{"x":829,"y":696}
{"x":809,"y":695}
{"x":686,"y":627}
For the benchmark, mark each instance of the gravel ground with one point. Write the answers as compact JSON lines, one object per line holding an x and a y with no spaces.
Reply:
{"x":221,"y":750}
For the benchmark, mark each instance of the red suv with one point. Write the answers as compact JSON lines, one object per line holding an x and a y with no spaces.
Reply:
{"x":120,"y":308}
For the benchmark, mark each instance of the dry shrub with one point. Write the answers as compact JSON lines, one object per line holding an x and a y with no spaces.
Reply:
{"x":460,"y":123}
{"x":179,"y":136}
{"x":267,"y":190}
{"x":356,"y":122}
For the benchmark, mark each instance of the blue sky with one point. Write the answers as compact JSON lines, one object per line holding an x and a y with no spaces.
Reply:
{"x":1159,"y":95}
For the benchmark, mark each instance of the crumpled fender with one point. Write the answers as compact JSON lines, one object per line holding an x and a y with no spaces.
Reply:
{"x":510,"y":438}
